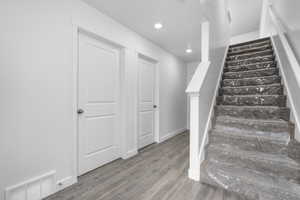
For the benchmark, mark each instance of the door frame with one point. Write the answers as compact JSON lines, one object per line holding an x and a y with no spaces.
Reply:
{"x":156,"y":98}
{"x":77,"y":30}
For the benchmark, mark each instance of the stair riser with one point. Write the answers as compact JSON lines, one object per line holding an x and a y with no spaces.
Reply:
{"x":266,"y":166}
{"x":249,"y":50}
{"x":252,"y":100}
{"x":251,"y":81}
{"x":250,"y":61}
{"x":250,"y":74}
{"x":258,"y":90}
{"x":250,"y":125}
{"x":250,"y":55}
{"x":249,"y":46}
{"x":258,"y":66}
{"x":248,"y":144}
{"x":254,"y":113}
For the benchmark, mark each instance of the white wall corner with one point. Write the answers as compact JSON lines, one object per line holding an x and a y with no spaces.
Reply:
{"x":264,"y":19}
{"x":205,"y":41}
{"x":171,"y":134}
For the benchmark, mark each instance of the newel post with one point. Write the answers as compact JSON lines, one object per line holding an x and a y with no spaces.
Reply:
{"x":193,"y":91}
{"x":194,"y":170}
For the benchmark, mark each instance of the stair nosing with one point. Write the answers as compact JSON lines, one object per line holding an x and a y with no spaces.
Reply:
{"x":268,"y":177}
{"x":255,"y":95}
{"x":254,"y":120}
{"x":256,"y":49}
{"x":249,"y":135}
{"x":261,"y":155}
{"x":261,"y":107}
{"x":252,"y":70}
{"x":246,"y":86}
{"x":261,"y":40}
{"x":251,"y":53}
{"x":253,"y":58}
{"x":252,"y":64}
{"x":250,"y":77}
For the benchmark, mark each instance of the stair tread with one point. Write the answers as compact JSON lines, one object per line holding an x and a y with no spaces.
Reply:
{"x":251,"y":53}
{"x":260,"y":156}
{"x":242,"y":120}
{"x":246,"y":59}
{"x":251,"y":78}
{"x":254,"y":95}
{"x":252,"y":107}
{"x":259,"y":63}
{"x":247,"y":86}
{"x":262,"y":40}
{"x":253,"y":49}
{"x":249,"y":71}
{"x":278,"y":138}
{"x":251,"y":183}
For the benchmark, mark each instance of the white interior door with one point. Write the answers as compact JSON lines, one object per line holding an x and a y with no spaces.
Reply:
{"x":146,"y":102}
{"x":98,"y":102}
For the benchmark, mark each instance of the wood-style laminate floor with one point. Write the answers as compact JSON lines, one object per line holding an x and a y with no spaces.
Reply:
{"x":158,"y":172}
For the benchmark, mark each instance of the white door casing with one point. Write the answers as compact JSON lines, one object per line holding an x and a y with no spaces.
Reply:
{"x":146,"y":113}
{"x":99,"y":98}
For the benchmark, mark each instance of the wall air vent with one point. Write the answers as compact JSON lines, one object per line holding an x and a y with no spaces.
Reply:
{"x":33,"y":189}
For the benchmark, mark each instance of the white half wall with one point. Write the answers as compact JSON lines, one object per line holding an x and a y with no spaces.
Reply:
{"x":37,"y":87}
{"x":191,"y":68}
{"x":244,"y":37}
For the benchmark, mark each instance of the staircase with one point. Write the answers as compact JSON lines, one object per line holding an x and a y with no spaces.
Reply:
{"x":249,"y":151}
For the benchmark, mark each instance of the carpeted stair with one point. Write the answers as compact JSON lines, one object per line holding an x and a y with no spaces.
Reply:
{"x":251,"y":149}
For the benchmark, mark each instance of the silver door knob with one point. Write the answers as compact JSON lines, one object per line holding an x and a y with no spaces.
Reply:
{"x":80,"y":111}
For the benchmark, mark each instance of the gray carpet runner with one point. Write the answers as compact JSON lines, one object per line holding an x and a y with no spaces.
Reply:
{"x":251,"y":150}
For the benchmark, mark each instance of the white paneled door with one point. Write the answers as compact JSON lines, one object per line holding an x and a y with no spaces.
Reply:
{"x":146,"y":102}
{"x":98,"y":103}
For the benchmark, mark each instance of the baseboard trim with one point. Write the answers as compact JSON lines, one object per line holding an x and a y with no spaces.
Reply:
{"x":65,"y":182}
{"x":194,"y":174}
{"x":130,"y":154}
{"x":171,"y":134}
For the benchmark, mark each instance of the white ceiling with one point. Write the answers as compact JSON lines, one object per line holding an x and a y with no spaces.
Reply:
{"x":245,"y":15}
{"x":181,"y":20}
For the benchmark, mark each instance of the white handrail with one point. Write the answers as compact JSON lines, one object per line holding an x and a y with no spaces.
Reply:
{"x":289,"y":52}
{"x":198,"y":78}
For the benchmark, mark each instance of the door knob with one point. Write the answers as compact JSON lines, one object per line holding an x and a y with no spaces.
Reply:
{"x":154,"y":106}
{"x":80,"y":111}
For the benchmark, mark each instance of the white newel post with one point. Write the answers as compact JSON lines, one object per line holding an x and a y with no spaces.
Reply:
{"x":194,"y":170}
{"x":193,"y":91}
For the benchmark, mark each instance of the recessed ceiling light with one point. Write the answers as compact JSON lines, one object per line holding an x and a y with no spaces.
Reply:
{"x":189,"y":50}
{"x":158,"y":25}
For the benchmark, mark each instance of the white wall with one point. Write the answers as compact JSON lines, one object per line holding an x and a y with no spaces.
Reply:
{"x":244,"y":37}
{"x":288,"y":14}
{"x":37,"y":88}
